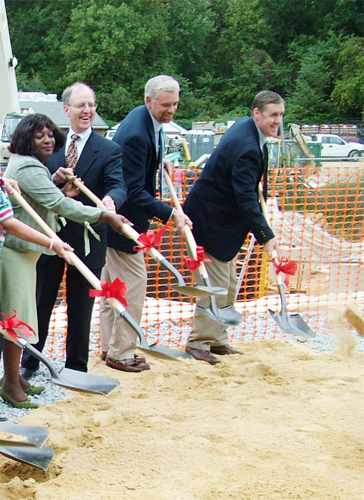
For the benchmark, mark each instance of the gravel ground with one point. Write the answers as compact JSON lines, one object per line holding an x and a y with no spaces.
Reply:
{"x":320,"y":343}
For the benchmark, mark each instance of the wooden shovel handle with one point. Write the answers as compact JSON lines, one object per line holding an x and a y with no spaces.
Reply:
{"x":76,"y":261}
{"x":187,"y":230}
{"x":265,"y":212}
{"x":128,"y":230}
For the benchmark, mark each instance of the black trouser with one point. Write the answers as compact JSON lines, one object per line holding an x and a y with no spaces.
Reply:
{"x":50,"y":270}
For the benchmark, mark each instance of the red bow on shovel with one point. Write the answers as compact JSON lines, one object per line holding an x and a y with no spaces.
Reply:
{"x":193,"y":264}
{"x":10,"y":324}
{"x":150,"y":239}
{"x":115,"y":290}
{"x":283,"y":265}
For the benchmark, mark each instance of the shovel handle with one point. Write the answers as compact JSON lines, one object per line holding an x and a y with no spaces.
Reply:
{"x":76,"y":261}
{"x":191,"y":242}
{"x":128,"y":230}
{"x":265,"y":213}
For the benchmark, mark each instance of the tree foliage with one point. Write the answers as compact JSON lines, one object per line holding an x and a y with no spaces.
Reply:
{"x":222,"y":51}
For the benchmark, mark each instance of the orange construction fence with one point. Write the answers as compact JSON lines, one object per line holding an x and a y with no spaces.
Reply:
{"x":318,"y":216}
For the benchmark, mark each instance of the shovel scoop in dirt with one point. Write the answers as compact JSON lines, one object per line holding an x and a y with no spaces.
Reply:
{"x":291,"y":324}
{"x":27,"y":447}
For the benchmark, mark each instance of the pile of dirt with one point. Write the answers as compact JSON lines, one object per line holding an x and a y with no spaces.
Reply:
{"x":279,"y":423}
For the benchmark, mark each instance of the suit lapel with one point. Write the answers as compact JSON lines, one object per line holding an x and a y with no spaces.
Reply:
{"x":88,"y":156}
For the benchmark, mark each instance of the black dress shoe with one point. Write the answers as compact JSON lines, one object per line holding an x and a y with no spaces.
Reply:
{"x":26,"y":373}
{"x":224,"y":349}
{"x":202,"y":355}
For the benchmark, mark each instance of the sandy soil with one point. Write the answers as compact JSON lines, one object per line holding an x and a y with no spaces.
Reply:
{"x":281,"y":422}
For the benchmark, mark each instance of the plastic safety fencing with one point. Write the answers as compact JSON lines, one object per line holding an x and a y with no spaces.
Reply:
{"x":318,"y":216}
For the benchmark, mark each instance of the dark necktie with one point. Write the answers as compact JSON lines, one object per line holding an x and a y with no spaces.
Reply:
{"x":160,"y":157}
{"x":72,"y":153}
{"x":265,"y":171}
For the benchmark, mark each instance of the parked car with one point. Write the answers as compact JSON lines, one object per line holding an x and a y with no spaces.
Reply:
{"x":8,"y":128}
{"x":110,"y":134}
{"x":334,"y":146}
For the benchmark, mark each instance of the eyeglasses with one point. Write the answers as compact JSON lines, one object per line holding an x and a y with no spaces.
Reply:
{"x":82,"y":105}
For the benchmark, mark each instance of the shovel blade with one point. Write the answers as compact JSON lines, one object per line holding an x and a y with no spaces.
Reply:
{"x":199,"y":290}
{"x":292,"y":324}
{"x":33,"y":436}
{"x":226,"y":315}
{"x":71,"y":379}
{"x":38,"y":457}
{"x":162,"y":352}
{"x":86,"y":382}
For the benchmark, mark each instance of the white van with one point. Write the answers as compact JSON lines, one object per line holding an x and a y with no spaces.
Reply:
{"x":8,"y":128}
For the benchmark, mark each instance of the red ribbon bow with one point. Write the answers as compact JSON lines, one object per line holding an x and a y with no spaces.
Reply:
{"x":193,"y":264}
{"x":9,"y":324}
{"x":283,"y":265}
{"x":150,"y":239}
{"x":115,"y":290}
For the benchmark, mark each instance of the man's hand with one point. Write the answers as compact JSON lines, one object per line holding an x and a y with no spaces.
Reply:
{"x":116,"y":221}
{"x":168,"y":165}
{"x":109,"y":204}
{"x":272,"y":246}
{"x":11,"y":185}
{"x":62,"y":175}
{"x":180,"y":220}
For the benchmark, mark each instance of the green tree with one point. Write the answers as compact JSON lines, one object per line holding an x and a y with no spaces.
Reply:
{"x":348,"y":93}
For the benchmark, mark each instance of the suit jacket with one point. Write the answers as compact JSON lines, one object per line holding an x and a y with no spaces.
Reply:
{"x":100,"y":168}
{"x":135,"y":135}
{"x":223,"y":203}
{"x":47,"y":200}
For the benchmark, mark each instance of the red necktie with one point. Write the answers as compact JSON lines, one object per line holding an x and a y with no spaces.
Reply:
{"x":72,"y":153}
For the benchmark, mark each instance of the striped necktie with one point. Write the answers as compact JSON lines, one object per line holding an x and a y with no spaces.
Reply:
{"x":72,"y":153}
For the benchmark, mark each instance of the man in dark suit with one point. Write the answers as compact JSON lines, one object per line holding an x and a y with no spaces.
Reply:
{"x":98,"y":162}
{"x":140,"y":137}
{"x":224,"y":207}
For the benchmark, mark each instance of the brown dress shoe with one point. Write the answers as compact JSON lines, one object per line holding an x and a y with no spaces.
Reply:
{"x":137,"y":358}
{"x":201,"y":355}
{"x":224,"y":349}
{"x":135,"y":364}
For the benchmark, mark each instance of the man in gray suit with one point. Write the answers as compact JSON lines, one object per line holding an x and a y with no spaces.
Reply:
{"x":98,"y":162}
{"x":224,"y":207}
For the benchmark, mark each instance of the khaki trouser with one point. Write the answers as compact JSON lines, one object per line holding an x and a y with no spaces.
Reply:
{"x":205,"y":331}
{"x":118,"y":338}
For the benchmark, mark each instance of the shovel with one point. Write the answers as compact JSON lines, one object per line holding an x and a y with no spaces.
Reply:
{"x":72,"y":379}
{"x":226,"y":315}
{"x":38,"y":457}
{"x":32,"y":436}
{"x":182,"y":288}
{"x":29,"y":450}
{"x":291,"y":324}
{"x":69,"y":377}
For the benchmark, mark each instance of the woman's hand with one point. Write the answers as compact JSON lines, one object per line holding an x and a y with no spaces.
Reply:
{"x":11,"y":185}
{"x":61,"y":248}
{"x":70,"y":189}
{"x":61,"y":175}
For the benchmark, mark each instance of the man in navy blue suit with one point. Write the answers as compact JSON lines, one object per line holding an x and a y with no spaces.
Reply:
{"x":139,"y":136}
{"x":98,"y":162}
{"x":224,"y":207}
